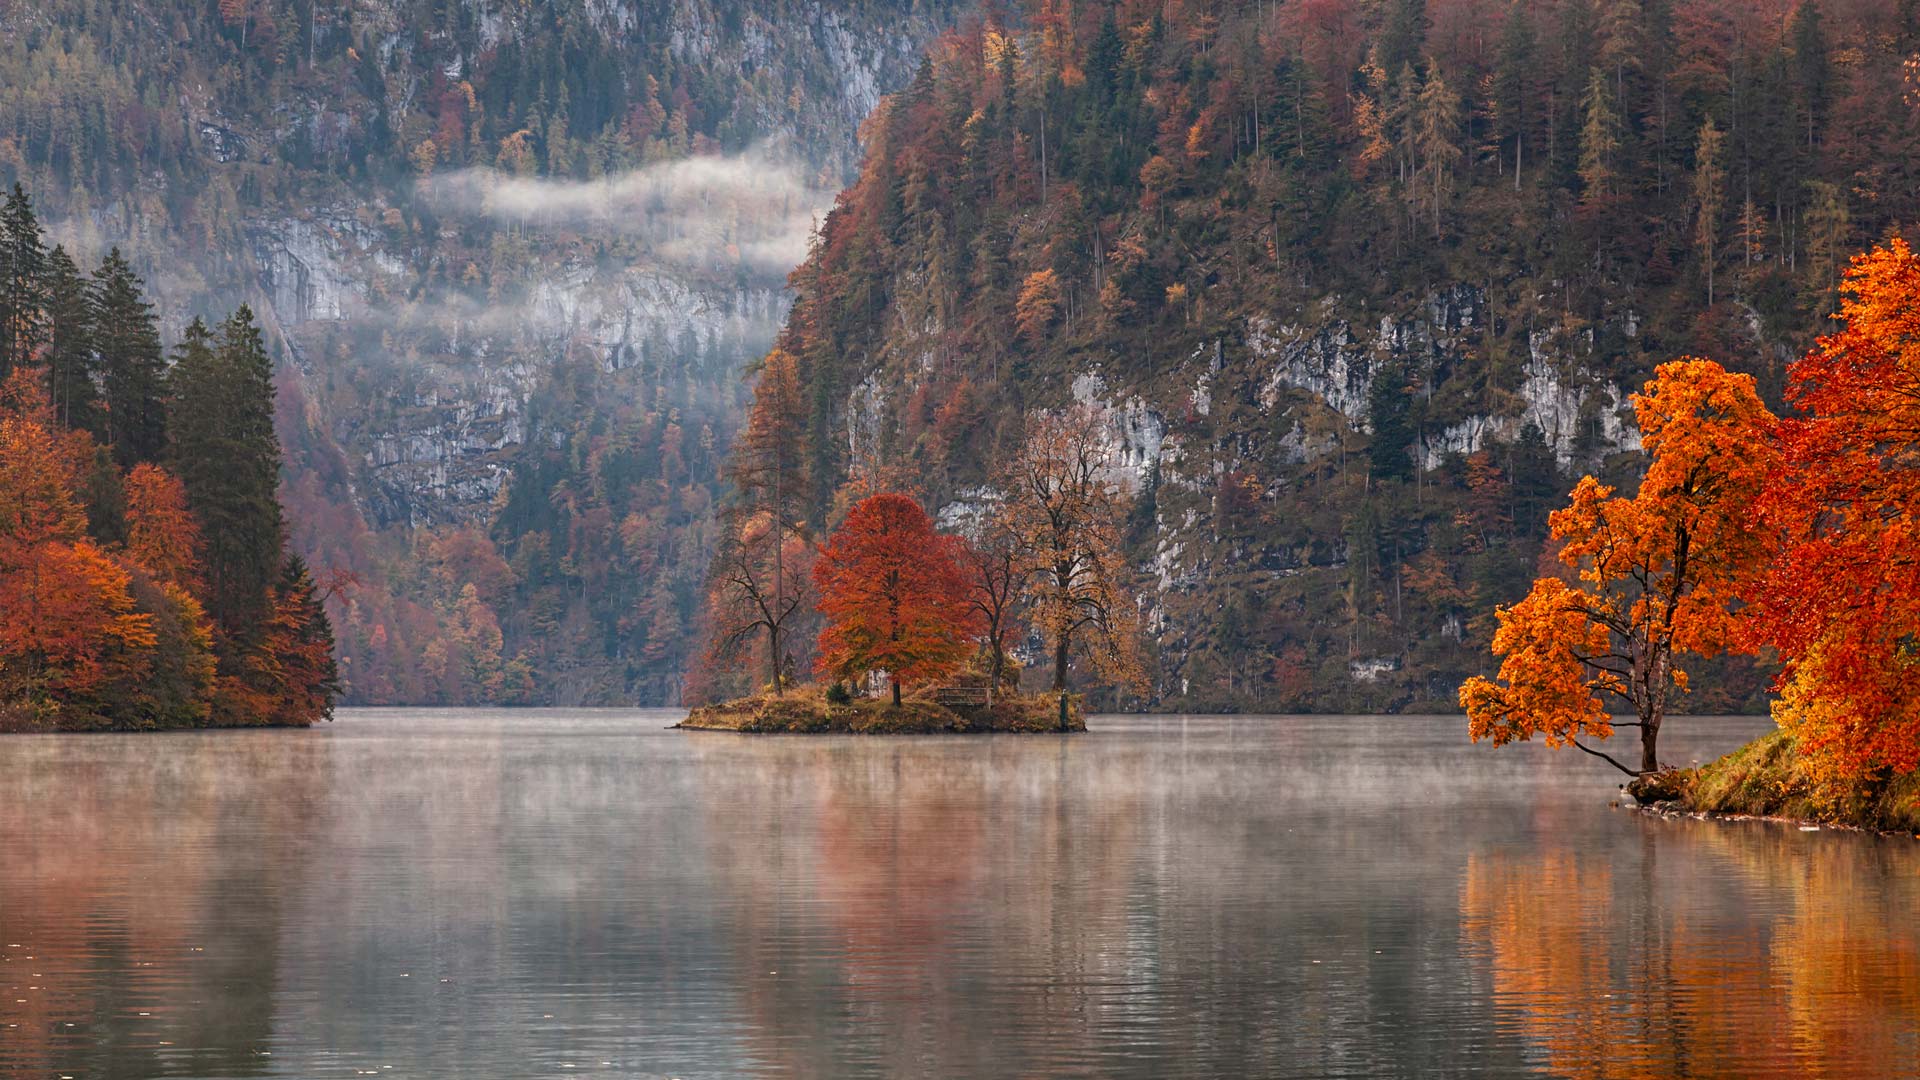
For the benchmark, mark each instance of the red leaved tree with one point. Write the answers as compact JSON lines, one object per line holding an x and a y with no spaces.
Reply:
{"x":68,"y":625}
{"x":1842,"y":602}
{"x":894,"y":596}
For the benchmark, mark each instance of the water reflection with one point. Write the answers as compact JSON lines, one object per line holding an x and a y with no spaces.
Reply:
{"x":139,"y":901}
{"x":515,"y":893}
{"x":1705,"y":951}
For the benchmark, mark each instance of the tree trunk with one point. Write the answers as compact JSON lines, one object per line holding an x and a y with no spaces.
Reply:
{"x":896,"y":692}
{"x":1060,"y":665}
{"x":1649,"y":738}
{"x":773,"y":656}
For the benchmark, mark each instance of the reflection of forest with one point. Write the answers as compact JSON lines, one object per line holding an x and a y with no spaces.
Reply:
{"x":503,"y":894}
{"x":1713,"y":950}
{"x":932,"y":886}
{"x":139,"y":910}
{"x":1098,"y":906}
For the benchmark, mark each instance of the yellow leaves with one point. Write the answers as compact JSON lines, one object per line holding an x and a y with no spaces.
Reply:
{"x":998,"y":48}
{"x":1039,"y":301}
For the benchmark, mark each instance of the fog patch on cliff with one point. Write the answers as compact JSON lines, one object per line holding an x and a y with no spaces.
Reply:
{"x":711,"y":212}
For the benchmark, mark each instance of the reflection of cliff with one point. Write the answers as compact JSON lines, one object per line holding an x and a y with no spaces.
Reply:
{"x":141,"y":910}
{"x":1727,"y":951}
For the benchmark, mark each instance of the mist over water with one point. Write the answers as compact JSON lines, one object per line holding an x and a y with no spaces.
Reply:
{"x":537,"y":892}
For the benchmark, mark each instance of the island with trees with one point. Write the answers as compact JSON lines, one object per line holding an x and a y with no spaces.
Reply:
{"x":915,"y":629}
{"x":1789,"y":537}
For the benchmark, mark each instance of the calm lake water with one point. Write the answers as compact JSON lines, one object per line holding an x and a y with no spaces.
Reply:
{"x":450,"y":893}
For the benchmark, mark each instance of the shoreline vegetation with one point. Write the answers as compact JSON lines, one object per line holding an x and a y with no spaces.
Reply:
{"x":813,"y":710}
{"x":146,"y":577}
{"x":1784,"y":536}
{"x":1770,"y":779}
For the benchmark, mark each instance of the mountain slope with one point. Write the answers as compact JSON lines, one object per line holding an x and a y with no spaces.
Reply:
{"x":513,"y":258}
{"x":1361,"y":288}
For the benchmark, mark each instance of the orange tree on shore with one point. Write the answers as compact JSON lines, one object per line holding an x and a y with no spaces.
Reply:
{"x":1659,"y":574}
{"x":1842,"y":601}
{"x":893,"y":594}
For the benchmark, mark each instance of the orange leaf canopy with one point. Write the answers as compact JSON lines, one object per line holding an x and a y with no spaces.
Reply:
{"x":893,"y":594}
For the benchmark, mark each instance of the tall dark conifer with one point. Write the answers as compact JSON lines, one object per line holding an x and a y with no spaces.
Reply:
{"x":1812,"y":67}
{"x":70,"y":363}
{"x":23,"y":271}
{"x":228,"y":457}
{"x":1402,"y":36}
{"x":131,"y":364}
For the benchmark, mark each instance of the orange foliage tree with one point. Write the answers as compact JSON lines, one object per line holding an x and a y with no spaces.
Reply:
{"x":1658,"y":574}
{"x":1842,"y":601}
{"x":1062,"y":499}
{"x":68,"y":625}
{"x":894,"y":595}
{"x":757,"y":584}
{"x":162,"y":537}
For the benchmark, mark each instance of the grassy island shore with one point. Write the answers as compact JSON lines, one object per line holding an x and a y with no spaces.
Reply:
{"x":807,"y":710}
{"x":1767,"y":779}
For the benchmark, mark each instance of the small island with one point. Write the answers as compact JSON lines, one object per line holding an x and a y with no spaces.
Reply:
{"x":818,"y":710}
{"x":912,"y":630}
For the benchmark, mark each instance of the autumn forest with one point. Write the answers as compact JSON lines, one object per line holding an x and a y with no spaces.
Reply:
{"x":1167,"y":356}
{"x":1153,"y":539}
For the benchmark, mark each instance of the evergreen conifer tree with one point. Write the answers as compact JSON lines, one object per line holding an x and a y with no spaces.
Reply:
{"x":23,"y":271}
{"x":70,"y":365}
{"x":228,"y":457}
{"x":133,"y":368}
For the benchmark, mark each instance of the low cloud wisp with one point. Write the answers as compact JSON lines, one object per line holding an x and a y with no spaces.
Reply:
{"x":701,"y":213}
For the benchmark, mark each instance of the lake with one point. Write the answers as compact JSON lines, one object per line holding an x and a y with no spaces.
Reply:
{"x":558,"y":892}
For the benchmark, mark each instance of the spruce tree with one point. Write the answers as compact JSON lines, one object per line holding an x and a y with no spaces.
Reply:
{"x":1512,"y":88}
{"x":303,"y":676}
{"x":1812,"y":66}
{"x":1390,"y":415}
{"x":23,"y":270}
{"x":132,"y":366}
{"x":228,"y":457}
{"x":70,"y":363}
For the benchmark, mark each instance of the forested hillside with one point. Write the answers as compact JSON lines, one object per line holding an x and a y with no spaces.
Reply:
{"x":1359,"y":287}
{"x":512,"y":260}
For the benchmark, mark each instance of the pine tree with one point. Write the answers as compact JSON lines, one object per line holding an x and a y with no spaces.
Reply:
{"x":1812,"y":64}
{"x":1599,"y":142}
{"x":70,"y":362}
{"x":1709,"y":197}
{"x":23,"y":272}
{"x":1436,"y":135}
{"x":127,"y":344}
{"x":1390,"y":415}
{"x":1402,"y":35}
{"x":1512,"y":89}
{"x":228,"y":457}
{"x":294,"y":665}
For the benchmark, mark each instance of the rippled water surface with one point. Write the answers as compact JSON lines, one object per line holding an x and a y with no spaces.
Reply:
{"x":531,"y":893}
